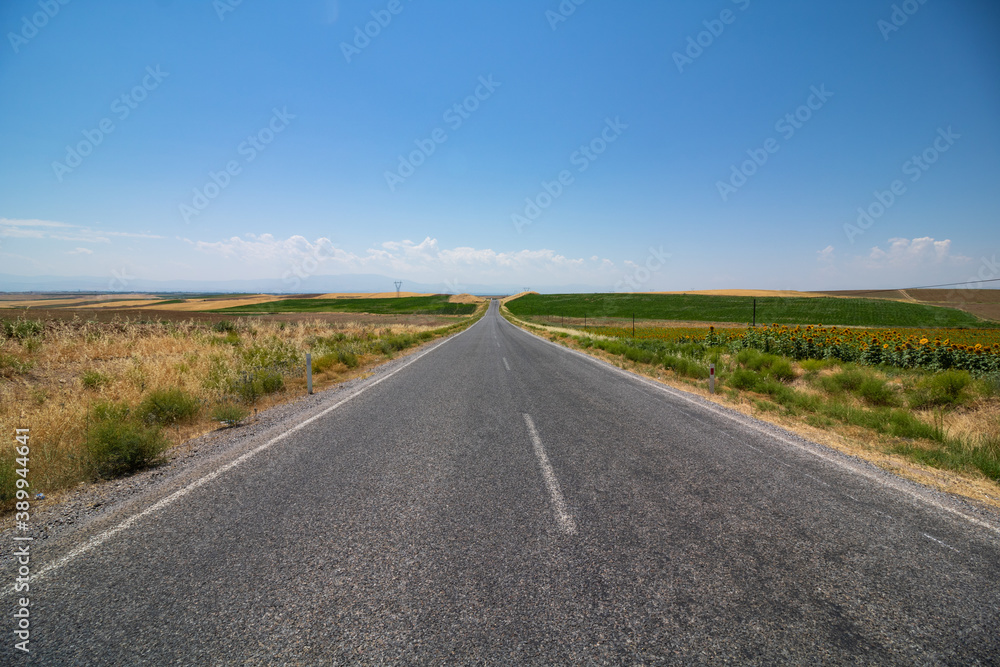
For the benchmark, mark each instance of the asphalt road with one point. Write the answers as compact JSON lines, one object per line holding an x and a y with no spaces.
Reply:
{"x":498,"y":499}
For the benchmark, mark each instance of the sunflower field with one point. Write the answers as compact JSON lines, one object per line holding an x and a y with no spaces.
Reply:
{"x":973,"y":350}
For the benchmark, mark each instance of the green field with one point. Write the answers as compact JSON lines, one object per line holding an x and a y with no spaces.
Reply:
{"x":408,"y":305}
{"x":707,"y":308}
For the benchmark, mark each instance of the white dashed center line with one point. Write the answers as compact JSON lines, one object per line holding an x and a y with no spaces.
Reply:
{"x":563,"y":517}
{"x":942,"y":543}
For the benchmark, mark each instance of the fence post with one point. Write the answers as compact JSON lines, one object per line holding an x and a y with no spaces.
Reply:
{"x":309,"y":373}
{"x":711,"y":378}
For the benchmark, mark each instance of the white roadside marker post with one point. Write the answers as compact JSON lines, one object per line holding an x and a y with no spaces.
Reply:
{"x":309,"y":373}
{"x":711,"y":378}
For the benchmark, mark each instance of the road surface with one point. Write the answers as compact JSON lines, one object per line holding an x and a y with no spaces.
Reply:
{"x":498,"y":499}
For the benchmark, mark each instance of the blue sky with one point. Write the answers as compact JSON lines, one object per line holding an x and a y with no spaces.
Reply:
{"x":248,"y":138}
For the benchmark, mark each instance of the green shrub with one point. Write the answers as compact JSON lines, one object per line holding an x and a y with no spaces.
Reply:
{"x":948,"y":387}
{"x":638,"y":355}
{"x":983,"y":456}
{"x":684,"y":367}
{"x":21,"y":329}
{"x":252,"y":386}
{"x":117,"y":445}
{"x":224,"y":326}
{"x":231,"y":338}
{"x":390,"y":344}
{"x":94,"y":379}
{"x":744,"y":379}
{"x":271,"y":353}
{"x":168,"y":406}
{"x":323,"y":362}
{"x":694,"y":370}
{"x":271,"y":381}
{"x":942,"y":389}
{"x":762,"y":362}
{"x":989,"y":384}
{"x":229,"y":414}
{"x":11,"y":365}
{"x":876,"y":392}
{"x":611,"y":346}
{"x":819,"y":421}
{"x":816,"y":365}
{"x":220,"y":374}
{"x":781,"y":370}
{"x":849,"y":379}
{"x":768,"y":365}
{"x":891,"y":421}
{"x":347,"y":358}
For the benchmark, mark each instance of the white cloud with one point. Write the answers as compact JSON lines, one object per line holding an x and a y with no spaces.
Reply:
{"x":61,"y":231}
{"x":425,"y":260}
{"x":898,"y":263}
{"x":80,"y":251}
{"x":916,"y":253}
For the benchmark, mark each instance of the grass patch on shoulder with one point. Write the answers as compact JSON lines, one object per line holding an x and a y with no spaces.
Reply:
{"x":118,"y":444}
{"x":92,"y":379}
{"x":168,"y":406}
{"x":230,"y":414}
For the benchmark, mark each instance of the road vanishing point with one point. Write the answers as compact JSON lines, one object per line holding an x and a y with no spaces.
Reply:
{"x":494,"y":498}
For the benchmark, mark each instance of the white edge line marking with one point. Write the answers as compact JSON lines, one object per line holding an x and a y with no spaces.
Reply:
{"x":722,"y":412}
{"x":563,"y":516}
{"x":930,"y":537}
{"x":104,"y":536}
{"x":505,"y":363}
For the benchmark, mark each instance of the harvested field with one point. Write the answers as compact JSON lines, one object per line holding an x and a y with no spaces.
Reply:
{"x":983,"y":303}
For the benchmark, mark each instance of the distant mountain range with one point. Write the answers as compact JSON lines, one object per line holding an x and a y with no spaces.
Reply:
{"x":352,"y":282}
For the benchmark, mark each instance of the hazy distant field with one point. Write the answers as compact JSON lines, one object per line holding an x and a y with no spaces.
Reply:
{"x":711,"y":308}
{"x":213,"y":307}
{"x":438,"y":304}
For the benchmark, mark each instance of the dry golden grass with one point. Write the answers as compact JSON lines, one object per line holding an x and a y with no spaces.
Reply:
{"x":194,"y":305}
{"x":131,"y":303}
{"x":32,"y":301}
{"x":465,"y":298}
{"x":52,"y":400}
